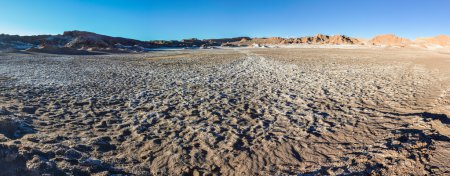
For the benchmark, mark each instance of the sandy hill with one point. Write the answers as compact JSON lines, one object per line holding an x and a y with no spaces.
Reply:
{"x":441,"y":40}
{"x":389,"y":40}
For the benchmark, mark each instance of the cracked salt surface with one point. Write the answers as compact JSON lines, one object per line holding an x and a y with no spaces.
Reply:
{"x":229,"y":112}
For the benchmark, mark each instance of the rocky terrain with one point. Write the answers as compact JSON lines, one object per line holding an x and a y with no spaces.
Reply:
{"x":226,"y":112}
{"x":82,"y":43}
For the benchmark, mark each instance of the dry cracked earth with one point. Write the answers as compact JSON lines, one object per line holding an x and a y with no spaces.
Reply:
{"x":226,"y":112}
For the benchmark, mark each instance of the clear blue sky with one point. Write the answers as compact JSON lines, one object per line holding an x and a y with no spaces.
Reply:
{"x":178,"y":19}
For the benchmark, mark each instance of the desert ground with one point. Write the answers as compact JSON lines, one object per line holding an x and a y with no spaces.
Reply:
{"x":280,"y":111}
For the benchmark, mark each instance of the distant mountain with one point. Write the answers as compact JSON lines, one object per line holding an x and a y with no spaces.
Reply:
{"x":82,"y":40}
{"x":20,"y":42}
{"x":389,"y":40}
{"x":333,"y":40}
{"x":75,"y":42}
{"x":440,"y":40}
{"x":89,"y":41}
{"x":342,"y":39}
{"x":317,"y":39}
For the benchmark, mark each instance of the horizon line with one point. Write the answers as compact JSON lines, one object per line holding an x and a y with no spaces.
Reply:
{"x":25,"y":35}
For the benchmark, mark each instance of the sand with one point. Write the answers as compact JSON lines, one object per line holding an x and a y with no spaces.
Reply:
{"x":282,"y":111}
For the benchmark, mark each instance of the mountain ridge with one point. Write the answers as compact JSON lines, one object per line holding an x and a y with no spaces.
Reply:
{"x":90,"y":41}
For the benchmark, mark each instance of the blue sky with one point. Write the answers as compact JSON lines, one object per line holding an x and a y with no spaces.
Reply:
{"x":178,"y":19}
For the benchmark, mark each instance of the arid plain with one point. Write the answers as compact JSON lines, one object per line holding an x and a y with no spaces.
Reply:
{"x":265,"y":111}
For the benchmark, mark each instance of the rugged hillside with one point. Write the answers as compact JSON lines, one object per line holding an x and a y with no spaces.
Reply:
{"x":325,"y":39}
{"x":70,"y":39}
{"x":342,"y":39}
{"x":80,"y":39}
{"x":317,"y":39}
{"x":20,"y":42}
{"x":88,"y":41}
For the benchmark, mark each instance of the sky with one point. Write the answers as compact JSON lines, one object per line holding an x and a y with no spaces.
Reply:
{"x":203,"y":19}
